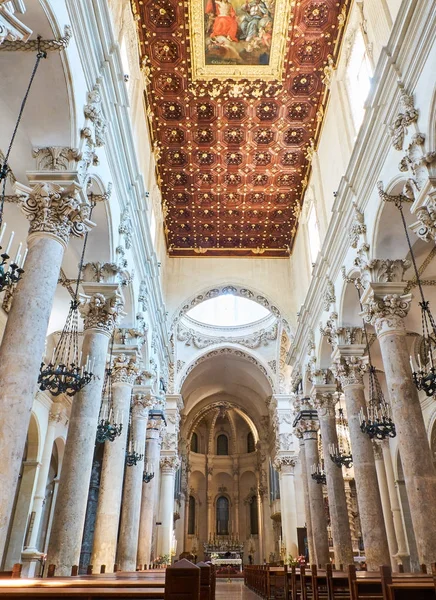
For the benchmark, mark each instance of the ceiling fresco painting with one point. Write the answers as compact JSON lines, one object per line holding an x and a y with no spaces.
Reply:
{"x":236,"y":92}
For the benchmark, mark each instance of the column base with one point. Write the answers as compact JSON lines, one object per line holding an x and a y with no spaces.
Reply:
{"x":32,"y":560}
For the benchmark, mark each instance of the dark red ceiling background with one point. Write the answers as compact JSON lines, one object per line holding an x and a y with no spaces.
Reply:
{"x":232,"y":155}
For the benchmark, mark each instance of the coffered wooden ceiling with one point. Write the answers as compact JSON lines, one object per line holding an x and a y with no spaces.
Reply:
{"x":236,"y":91}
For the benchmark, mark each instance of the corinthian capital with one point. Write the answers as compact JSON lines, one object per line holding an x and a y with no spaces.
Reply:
{"x":350,"y":370}
{"x":387,"y":313}
{"x":285,"y":463}
{"x":169,"y":464}
{"x":55,"y":211}
{"x":325,"y":402}
{"x":101,"y":312}
{"x":383,"y":270}
{"x":141,"y":403}
{"x":124,"y":369}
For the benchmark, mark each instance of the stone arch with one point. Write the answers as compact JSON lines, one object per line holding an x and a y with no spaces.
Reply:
{"x":236,"y":290}
{"x":219,"y":351}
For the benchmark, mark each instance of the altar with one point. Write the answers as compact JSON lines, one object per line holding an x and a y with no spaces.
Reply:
{"x":227,"y":562}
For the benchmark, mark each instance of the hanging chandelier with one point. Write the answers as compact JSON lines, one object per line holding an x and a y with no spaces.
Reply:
{"x":341,"y":454}
{"x":108,"y":427}
{"x":148,"y":473}
{"x":10,"y":274}
{"x":67,"y":373}
{"x":318,"y":473}
{"x":425,"y":376}
{"x":132,"y":454}
{"x":376,"y":421}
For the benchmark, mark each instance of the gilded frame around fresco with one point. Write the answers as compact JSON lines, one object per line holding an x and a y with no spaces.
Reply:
{"x":273,"y":71}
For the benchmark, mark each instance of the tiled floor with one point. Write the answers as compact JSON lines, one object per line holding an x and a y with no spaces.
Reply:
{"x":234,"y":591}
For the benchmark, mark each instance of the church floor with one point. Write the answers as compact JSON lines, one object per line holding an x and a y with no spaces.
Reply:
{"x":234,"y":591}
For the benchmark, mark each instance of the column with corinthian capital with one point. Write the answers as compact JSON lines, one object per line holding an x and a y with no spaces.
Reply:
{"x":169,"y":466}
{"x":384,"y":495}
{"x":304,"y":475}
{"x":325,"y":400}
{"x":316,"y":498}
{"x":149,"y":490}
{"x":102,"y":310}
{"x":350,"y":369}
{"x":55,"y":212}
{"x":132,"y":494}
{"x":124,"y":371}
{"x":386,"y":307}
{"x":285,"y":465}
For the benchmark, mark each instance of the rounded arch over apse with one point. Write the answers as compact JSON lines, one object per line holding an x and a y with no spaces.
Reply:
{"x":235,"y":290}
{"x":222,"y":351}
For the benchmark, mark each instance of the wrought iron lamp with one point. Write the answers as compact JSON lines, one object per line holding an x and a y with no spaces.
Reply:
{"x":341,"y":454}
{"x":108,"y":429}
{"x":133,"y":457}
{"x":425,"y":376}
{"x":148,"y":473}
{"x":377,"y":422}
{"x":66,"y":373}
{"x":10,"y":274}
{"x":318,"y":473}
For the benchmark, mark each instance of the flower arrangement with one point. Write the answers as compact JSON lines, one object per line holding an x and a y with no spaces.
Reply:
{"x":214,"y":555}
{"x":296,"y":562}
{"x":162,"y":560}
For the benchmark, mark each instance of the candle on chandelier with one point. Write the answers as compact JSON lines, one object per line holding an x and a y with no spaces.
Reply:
{"x":10,"y":243}
{"x":24,"y":258}
{"x":17,"y":256}
{"x":2,"y":231}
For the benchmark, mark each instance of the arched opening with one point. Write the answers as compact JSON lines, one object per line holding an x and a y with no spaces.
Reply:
{"x":222,"y":445}
{"x":222,"y":516}
{"x":251,"y":446}
{"x":194,"y":442}
{"x":191,"y":516}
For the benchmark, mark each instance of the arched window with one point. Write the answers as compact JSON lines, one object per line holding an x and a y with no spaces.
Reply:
{"x":222,"y":445}
{"x":222,"y":516}
{"x":250,"y":443}
{"x":191,"y":516}
{"x":254,"y":517}
{"x":194,"y":442}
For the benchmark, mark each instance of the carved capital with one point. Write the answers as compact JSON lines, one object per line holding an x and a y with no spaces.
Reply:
{"x":350,"y":370}
{"x":426,"y":226}
{"x":383,"y":270}
{"x":325,"y":402}
{"x":141,"y":403}
{"x":169,"y":464}
{"x":388,"y":313}
{"x":124,"y":369}
{"x":102,"y":313}
{"x":285,"y":462}
{"x":56,"y":158}
{"x":54,"y":210}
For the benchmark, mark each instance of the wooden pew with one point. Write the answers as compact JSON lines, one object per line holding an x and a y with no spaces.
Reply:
{"x":205,"y":581}
{"x":182,"y":581}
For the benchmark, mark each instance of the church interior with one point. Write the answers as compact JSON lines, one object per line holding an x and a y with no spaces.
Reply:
{"x":217,"y":286}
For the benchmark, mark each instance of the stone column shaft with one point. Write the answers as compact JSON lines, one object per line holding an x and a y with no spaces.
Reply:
{"x":169,"y":465}
{"x":152,"y":457}
{"x":304,"y":472}
{"x":416,"y":457}
{"x":288,"y":505}
{"x":112,"y":472}
{"x":69,"y":516}
{"x":368,"y":494}
{"x":54,"y":214}
{"x":316,"y":498}
{"x":387,"y":513}
{"x":131,"y":507}
{"x":342,"y":546}
{"x":402,"y":551}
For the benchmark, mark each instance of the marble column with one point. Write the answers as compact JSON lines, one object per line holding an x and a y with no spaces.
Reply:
{"x":316,"y":497}
{"x":304,"y":475}
{"x":384,"y":495}
{"x":285,"y":466}
{"x":132,"y":493}
{"x":169,"y":465}
{"x":101,"y":309}
{"x":325,"y":400}
{"x":32,"y":554}
{"x":350,"y":369}
{"x":124,"y":371}
{"x":400,"y":535}
{"x":386,"y":308}
{"x":55,"y":213}
{"x":146,"y":523}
